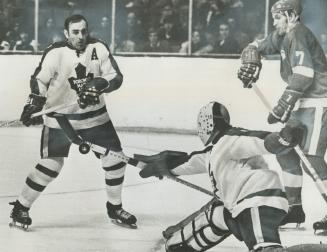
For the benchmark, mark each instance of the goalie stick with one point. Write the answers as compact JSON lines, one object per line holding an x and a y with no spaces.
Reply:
{"x":320,"y":185}
{"x":42,"y":112}
{"x":85,"y":147}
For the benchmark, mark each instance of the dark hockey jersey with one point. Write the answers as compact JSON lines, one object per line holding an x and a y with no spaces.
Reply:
{"x":303,"y":62}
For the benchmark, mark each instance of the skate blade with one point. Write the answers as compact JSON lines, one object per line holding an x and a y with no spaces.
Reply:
{"x":292,"y":227}
{"x":119,"y":223}
{"x":19,"y":226}
{"x":320,"y":232}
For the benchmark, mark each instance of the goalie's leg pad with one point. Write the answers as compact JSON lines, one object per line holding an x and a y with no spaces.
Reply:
{"x":114,"y":176}
{"x":256,"y":226}
{"x":43,"y":173}
{"x":205,"y":231}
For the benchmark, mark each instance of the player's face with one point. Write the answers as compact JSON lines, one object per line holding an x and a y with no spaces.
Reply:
{"x":280,"y":23}
{"x":77,"y":34}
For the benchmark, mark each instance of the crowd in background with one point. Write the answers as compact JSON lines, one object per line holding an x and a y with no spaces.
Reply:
{"x":218,"y":26}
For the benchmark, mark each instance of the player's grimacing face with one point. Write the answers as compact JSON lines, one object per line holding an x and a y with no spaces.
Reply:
{"x":77,"y":34}
{"x":280,"y":23}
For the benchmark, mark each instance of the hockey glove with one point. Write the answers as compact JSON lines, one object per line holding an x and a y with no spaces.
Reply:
{"x":251,"y":65}
{"x":161,"y":164}
{"x":90,"y":92}
{"x":289,"y":136}
{"x":34,"y":104}
{"x":292,"y":134}
{"x":282,"y":111}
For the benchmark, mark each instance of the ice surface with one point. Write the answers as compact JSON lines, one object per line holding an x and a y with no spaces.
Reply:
{"x":70,"y":214}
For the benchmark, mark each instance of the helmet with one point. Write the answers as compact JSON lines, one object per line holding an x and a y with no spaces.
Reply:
{"x":213,"y":119}
{"x":286,"y":5}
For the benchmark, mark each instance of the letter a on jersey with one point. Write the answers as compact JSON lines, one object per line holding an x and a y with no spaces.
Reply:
{"x":94,"y":55}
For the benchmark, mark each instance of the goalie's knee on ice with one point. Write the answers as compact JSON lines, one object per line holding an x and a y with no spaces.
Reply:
{"x":203,"y":232}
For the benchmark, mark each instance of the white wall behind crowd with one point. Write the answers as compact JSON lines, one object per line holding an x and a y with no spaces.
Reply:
{"x":160,"y":92}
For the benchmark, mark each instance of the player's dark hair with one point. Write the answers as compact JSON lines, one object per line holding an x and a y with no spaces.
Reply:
{"x":74,"y":19}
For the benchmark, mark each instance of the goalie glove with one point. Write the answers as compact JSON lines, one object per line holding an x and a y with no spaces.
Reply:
{"x":251,"y":66}
{"x":282,"y":111}
{"x":33,"y":105}
{"x":161,"y":164}
{"x":91,"y":91}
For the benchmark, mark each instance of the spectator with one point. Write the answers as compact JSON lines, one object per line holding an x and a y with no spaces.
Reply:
{"x":211,"y":13}
{"x":103,"y":31}
{"x":323,"y":41}
{"x":47,"y":32}
{"x":126,"y":46}
{"x":226,"y":43}
{"x":24,"y":43}
{"x":197,"y":44}
{"x":242,"y":38}
{"x":154,"y":44}
{"x":12,"y":36}
{"x":4,"y":46}
{"x":132,"y":30}
{"x":170,"y":33}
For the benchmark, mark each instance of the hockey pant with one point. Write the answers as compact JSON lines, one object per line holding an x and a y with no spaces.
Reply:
{"x":257,"y":227}
{"x":314,"y":145}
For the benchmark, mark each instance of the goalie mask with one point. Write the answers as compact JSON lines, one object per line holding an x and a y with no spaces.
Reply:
{"x":287,"y":5}
{"x":213,"y":119}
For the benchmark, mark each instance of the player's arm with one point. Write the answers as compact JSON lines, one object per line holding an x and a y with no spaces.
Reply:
{"x":252,"y":145}
{"x":39,"y":84}
{"x":173,"y":163}
{"x":251,"y":55}
{"x":111,"y":79}
{"x":300,"y":80}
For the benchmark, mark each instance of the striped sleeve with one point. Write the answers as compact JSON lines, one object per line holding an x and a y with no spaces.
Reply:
{"x":110,"y":70}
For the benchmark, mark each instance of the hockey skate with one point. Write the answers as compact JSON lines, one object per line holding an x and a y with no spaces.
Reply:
{"x":121,"y":217}
{"x":320,"y":225}
{"x":295,"y":215}
{"x":20,"y":216}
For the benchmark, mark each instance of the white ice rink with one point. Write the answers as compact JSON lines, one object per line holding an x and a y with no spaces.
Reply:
{"x":70,"y":215}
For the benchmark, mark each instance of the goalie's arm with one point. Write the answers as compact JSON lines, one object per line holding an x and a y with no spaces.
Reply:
{"x":173,"y":163}
{"x":196,"y":164}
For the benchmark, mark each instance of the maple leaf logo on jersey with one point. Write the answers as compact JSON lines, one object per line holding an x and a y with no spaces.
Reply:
{"x":81,"y":78}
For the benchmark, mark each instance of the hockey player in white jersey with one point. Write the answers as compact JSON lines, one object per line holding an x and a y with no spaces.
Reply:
{"x":78,"y":69}
{"x":251,"y":202}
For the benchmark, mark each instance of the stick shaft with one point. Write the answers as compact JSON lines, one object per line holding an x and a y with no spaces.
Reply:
{"x":320,"y":185}
{"x":53,"y":109}
{"x":42,"y":112}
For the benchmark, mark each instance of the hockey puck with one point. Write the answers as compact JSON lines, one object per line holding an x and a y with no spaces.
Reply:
{"x":84,"y":148}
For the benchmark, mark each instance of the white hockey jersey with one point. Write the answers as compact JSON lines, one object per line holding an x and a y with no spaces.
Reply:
{"x":235,"y":181}
{"x":63,"y":71}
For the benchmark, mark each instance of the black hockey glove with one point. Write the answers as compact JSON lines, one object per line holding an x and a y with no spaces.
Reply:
{"x":90,"y":92}
{"x":34,"y":104}
{"x":161,"y":164}
{"x":292,"y":134}
{"x":282,"y":111}
{"x":251,"y":65}
{"x":289,"y":136}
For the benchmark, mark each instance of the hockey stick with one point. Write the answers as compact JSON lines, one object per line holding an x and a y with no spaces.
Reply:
{"x":321,"y":187}
{"x":42,"y":112}
{"x":85,"y":147}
